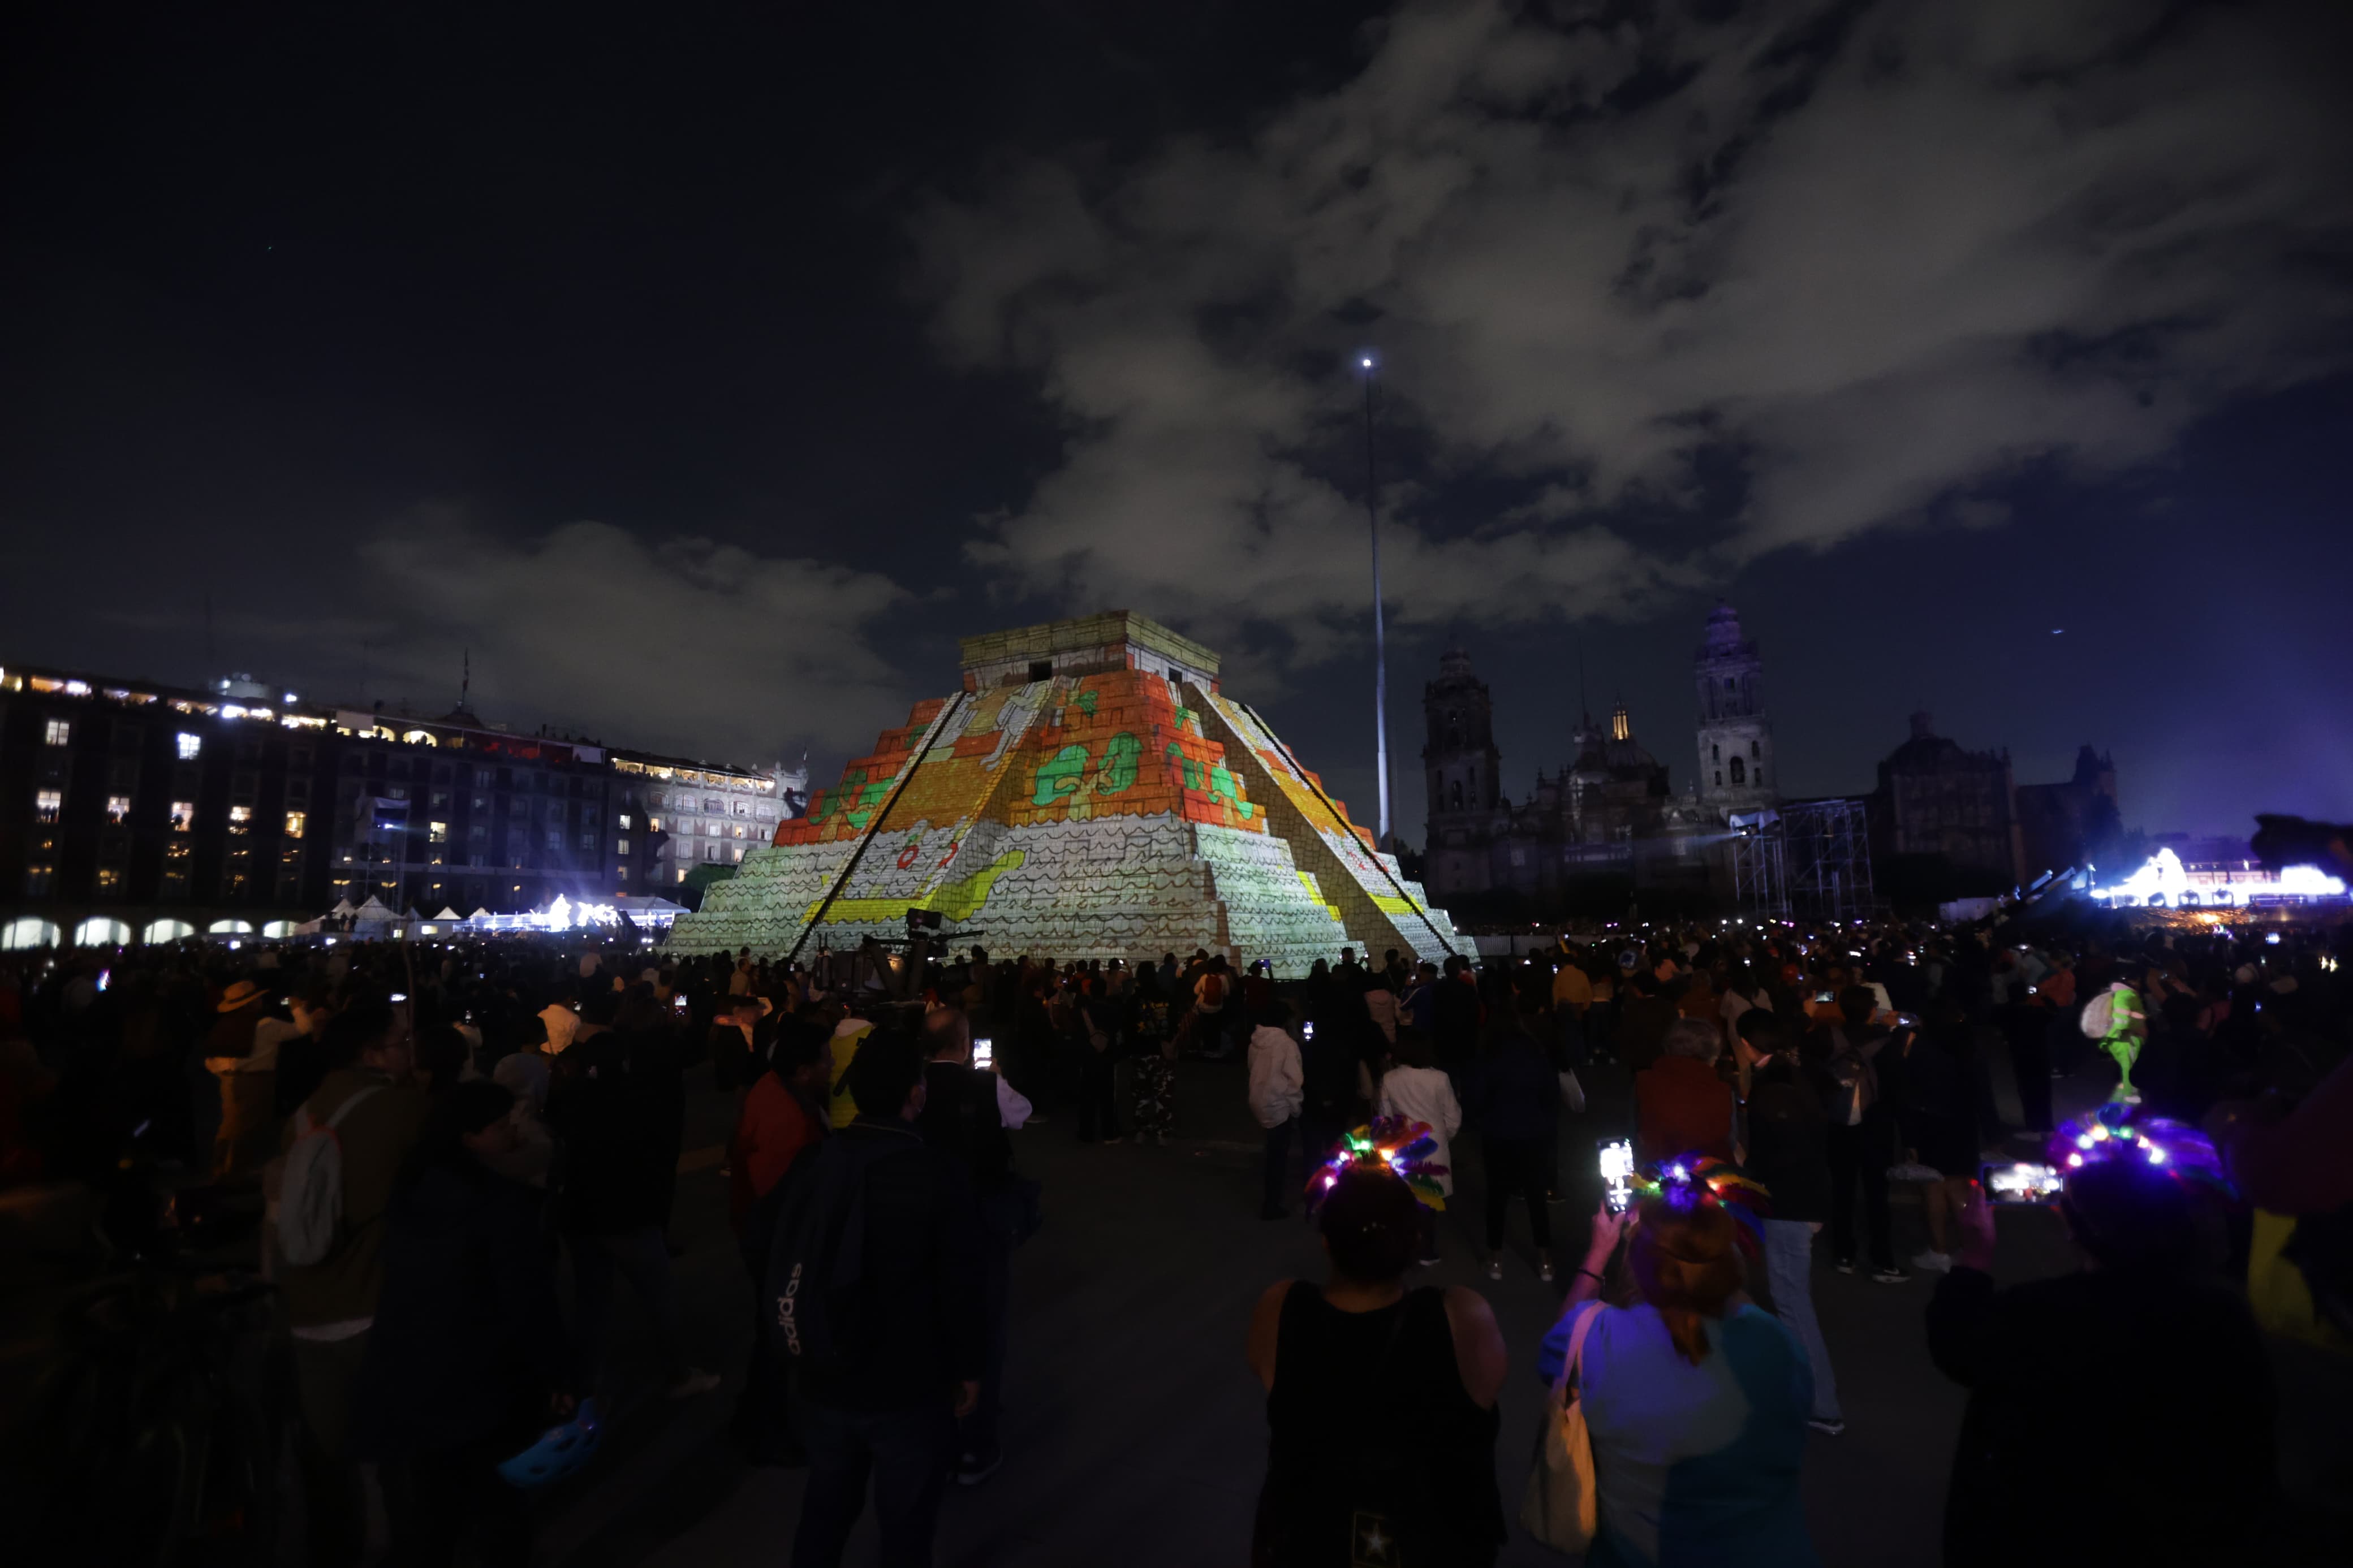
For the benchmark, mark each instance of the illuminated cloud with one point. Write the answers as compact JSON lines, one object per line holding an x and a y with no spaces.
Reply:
{"x":681,"y":644}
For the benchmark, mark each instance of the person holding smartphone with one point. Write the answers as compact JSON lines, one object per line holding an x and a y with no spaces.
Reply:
{"x":2123,"y":1413}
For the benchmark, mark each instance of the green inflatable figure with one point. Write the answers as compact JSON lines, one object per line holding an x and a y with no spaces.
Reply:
{"x":2128,"y":1031}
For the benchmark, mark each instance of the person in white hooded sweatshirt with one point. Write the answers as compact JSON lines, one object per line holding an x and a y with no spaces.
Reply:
{"x":1418,"y":1092}
{"x":1276,"y":1090}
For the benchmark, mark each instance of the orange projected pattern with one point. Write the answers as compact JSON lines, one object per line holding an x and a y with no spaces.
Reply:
{"x":1075,"y":749}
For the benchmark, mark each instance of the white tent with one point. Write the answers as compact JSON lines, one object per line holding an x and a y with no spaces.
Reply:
{"x":372,"y":913}
{"x":448,"y":914}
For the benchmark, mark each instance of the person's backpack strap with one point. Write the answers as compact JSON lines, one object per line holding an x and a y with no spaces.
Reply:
{"x":346,"y":1108}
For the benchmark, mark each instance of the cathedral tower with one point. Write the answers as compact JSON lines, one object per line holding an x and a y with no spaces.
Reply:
{"x":1459,"y":763}
{"x":1736,"y":770}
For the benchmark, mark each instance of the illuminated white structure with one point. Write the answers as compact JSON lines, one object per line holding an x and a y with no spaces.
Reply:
{"x":2164,"y":882}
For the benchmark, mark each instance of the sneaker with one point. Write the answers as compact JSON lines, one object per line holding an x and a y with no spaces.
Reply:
{"x":1494,"y":1268}
{"x":1844,"y":1266}
{"x":1825,"y":1425}
{"x":1932,"y":1262}
{"x":1889,"y":1274}
{"x":691,"y":1382}
{"x":972,"y":1469}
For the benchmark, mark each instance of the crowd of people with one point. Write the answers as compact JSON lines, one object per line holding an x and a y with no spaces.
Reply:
{"x":505,"y":1115}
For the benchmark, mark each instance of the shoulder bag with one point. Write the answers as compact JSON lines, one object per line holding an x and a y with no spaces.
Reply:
{"x":1562,"y":1506}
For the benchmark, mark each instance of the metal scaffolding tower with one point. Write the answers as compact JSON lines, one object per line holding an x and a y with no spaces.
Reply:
{"x":1829,"y":859}
{"x":1807,"y":859}
{"x":1760,"y":877}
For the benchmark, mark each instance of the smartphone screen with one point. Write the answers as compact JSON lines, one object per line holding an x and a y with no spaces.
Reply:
{"x":984,"y":1054}
{"x":1307,"y":1030}
{"x":1617,"y":1166}
{"x":2020,"y":1183}
{"x":679,"y":1001}
{"x":1825,"y":996}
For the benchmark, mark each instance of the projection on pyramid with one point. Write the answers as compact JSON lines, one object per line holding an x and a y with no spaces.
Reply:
{"x":1090,"y":793}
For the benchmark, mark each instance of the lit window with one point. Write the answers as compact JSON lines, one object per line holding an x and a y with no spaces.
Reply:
{"x":47,"y":805}
{"x":241,"y":818}
{"x":57,"y":733}
{"x":622,"y":875}
{"x":625,"y":822}
{"x":653,"y":825}
{"x":37,"y":878}
{"x":118,"y":806}
{"x":620,"y":846}
{"x":436,"y":833}
{"x":191,"y":746}
{"x":295,"y":821}
{"x":739,"y":854}
{"x":110,"y":878}
{"x":740,"y":831}
{"x":682,"y":873}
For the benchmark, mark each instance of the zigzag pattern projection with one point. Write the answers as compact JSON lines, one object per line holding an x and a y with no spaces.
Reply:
{"x":1080,"y":816}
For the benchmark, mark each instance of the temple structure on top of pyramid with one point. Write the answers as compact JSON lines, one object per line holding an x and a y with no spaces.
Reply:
{"x":1089,"y":792}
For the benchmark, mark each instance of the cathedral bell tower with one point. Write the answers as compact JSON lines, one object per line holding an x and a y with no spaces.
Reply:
{"x":1736,"y":770}
{"x":1459,"y":763}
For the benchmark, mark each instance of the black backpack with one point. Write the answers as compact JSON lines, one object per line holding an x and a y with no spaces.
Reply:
{"x":819,"y":1307}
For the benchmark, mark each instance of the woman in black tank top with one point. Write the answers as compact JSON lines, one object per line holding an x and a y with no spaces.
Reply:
{"x":1381,"y":1401}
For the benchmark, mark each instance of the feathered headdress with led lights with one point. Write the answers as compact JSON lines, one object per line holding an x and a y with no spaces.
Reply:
{"x":2116,"y":1133}
{"x":1698,"y":1179}
{"x":1390,"y":1144}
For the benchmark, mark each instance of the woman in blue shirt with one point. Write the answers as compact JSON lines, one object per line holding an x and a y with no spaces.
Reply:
{"x":1695,"y":1398}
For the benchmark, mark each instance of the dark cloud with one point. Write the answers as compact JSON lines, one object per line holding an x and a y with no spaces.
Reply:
{"x":707,"y":648}
{"x":1875,"y":266}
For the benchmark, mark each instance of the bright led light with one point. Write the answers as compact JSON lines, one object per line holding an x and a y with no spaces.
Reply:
{"x":1366,"y":362}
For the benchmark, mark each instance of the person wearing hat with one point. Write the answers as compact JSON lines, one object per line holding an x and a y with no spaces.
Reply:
{"x":245,"y":1059}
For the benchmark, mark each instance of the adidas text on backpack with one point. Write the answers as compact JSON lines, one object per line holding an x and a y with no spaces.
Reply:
{"x":310,"y":1209}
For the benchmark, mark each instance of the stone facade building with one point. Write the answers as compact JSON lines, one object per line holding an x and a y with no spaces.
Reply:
{"x":1938,"y":798}
{"x":1608,"y":818}
{"x":2069,"y":822}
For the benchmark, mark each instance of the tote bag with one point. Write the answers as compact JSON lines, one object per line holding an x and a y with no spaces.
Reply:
{"x":1561,"y":1508}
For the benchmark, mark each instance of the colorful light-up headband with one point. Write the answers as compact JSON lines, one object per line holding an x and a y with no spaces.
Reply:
{"x":1390,"y":1144}
{"x":1695,"y":1181}
{"x":2116,"y":1133}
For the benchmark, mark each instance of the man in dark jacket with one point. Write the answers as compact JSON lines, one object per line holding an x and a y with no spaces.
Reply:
{"x":905,"y":1353}
{"x":1861,"y":1132}
{"x":1515,"y":1101}
{"x":2121,"y":1414}
{"x":608,"y":1107}
{"x":1789,"y":1154}
{"x":961,"y":1119}
{"x":465,"y":1365}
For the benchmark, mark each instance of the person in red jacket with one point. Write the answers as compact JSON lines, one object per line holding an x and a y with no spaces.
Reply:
{"x":782,"y":1115}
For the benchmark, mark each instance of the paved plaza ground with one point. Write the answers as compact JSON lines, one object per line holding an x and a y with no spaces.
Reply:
{"x":1134,"y":1434}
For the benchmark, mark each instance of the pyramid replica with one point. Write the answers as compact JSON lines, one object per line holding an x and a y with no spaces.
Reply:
{"x":1088,"y":794}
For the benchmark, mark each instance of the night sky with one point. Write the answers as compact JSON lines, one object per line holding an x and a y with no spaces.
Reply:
{"x":705,"y":371}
